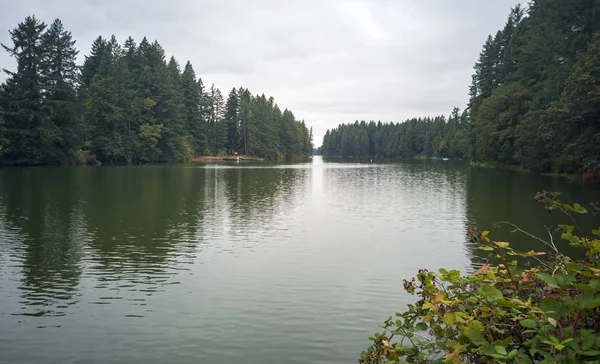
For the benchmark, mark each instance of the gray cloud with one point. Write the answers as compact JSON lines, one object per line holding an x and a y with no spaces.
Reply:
{"x":328,"y":61}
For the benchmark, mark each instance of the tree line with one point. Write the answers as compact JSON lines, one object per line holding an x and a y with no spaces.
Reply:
{"x":534,"y":99}
{"x":127,"y":104}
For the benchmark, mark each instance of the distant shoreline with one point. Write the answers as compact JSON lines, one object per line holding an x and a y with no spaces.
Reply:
{"x":207,"y":158}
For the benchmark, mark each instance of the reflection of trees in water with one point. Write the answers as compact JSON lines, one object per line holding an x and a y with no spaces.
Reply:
{"x":125,"y":232}
{"x":256,"y":200}
{"x":42,"y":206}
{"x":499,"y":195}
{"x":144,"y":221}
{"x":115,"y":224}
{"x":255,"y":193}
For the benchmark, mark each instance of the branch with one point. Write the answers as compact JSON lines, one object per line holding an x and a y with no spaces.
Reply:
{"x":551,"y":238}
{"x":518,"y":229}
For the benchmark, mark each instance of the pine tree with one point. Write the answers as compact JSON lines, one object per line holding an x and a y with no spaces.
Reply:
{"x":61,"y":107}
{"x":2,"y":131}
{"x":203,"y":129}
{"x":485,"y":77}
{"x":103,"y":107}
{"x":127,"y":105}
{"x":174,"y":140}
{"x":216,"y":122}
{"x":245,"y":117}
{"x":231,"y":117}
{"x":192,"y":103}
{"x":27,"y":132}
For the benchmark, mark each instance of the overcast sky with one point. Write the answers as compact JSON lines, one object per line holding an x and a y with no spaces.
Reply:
{"x":329,"y":61}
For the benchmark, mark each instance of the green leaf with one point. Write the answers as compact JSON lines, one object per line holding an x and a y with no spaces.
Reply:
{"x":550,"y":304}
{"x":528,"y":323}
{"x":591,"y":352}
{"x":421,"y":326}
{"x":584,"y":287}
{"x":501,"y":350}
{"x":565,"y":279}
{"x":477,"y":338}
{"x":548,"y":279}
{"x":453,"y":275}
{"x":579,"y":209}
{"x":552,"y":321}
{"x":558,"y":280}
{"x":588,"y":301}
{"x":572,"y":239}
{"x":491,"y":293}
{"x":596,"y":232}
{"x":488,"y":349}
{"x":476,"y":325}
{"x":588,"y":342}
{"x":573,"y":267}
{"x":566,"y":228}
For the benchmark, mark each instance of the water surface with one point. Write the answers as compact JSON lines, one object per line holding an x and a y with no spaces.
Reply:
{"x":224,"y":263}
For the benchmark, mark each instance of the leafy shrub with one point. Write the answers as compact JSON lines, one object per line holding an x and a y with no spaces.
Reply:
{"x":527,"y":307}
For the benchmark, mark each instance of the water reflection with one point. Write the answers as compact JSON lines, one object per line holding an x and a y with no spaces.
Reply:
{"x":44,"y":231}
{"x":127,"y":232}
{"x":255,"y":197}
{"x":222,"y":263}
{"x":496,"y":196}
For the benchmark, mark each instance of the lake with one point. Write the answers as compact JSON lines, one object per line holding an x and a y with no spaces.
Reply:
{"x":291,"y":263}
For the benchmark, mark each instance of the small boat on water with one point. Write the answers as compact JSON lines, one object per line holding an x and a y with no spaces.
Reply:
{"x":445,"y":159}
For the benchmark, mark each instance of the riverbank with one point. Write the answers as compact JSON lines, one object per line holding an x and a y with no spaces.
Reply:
{"x":224,"y":158}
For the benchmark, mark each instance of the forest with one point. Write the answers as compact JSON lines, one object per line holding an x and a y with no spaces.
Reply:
{"x":127,"y":104}
{"x":534,"y":100}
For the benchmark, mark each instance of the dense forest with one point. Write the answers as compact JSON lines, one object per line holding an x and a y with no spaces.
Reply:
{"x":534,"y":99}
{"x":127,"y":104}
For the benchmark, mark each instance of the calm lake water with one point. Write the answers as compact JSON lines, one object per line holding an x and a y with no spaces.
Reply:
{"x":227,"y":263}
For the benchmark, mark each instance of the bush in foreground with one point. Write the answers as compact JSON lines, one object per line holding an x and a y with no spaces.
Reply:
{"x":527,"y":307}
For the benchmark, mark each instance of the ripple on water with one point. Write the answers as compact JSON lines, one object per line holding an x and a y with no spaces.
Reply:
{"x":294,"y":263}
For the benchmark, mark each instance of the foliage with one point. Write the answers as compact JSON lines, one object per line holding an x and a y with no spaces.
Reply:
{"x":126,"y":104}
{"x":527,"y":307}
{"x":533,"y":100}
{"x":438,"y":136}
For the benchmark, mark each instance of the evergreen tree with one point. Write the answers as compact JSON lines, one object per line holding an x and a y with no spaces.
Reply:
{"x":28,"y":133}
{"x":217,"y":125}
{"x":61,"y":107}
{"x":246,"y":127}
{"x":174,"y":142}
{"x":232,"y":120}
{"x":127,"y":105}
{"x":192,"y":103}
{"x":103,"y":108}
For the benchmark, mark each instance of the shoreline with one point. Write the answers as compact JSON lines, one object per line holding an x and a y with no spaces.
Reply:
{"x":232,"y":158}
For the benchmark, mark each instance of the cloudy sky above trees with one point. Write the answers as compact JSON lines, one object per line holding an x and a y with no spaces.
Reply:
{"x":328,"y":61}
